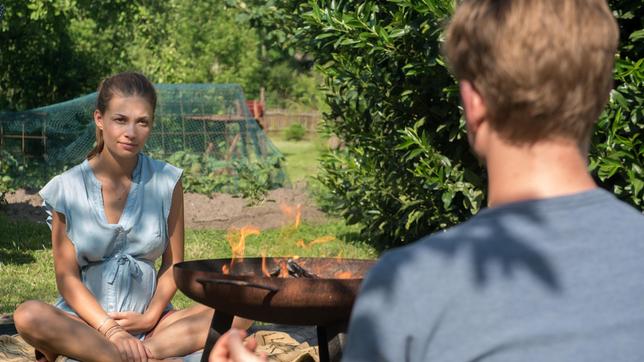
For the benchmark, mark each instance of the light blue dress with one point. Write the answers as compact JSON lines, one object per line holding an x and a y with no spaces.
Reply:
{"x":116,"y":261}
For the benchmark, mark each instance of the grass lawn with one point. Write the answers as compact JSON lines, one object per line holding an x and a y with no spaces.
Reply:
{"x":301,"y":156}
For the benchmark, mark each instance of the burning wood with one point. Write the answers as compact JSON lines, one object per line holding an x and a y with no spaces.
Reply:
{"x":293,"y":269}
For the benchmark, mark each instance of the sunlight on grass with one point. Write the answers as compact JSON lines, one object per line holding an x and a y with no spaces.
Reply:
{"x":27,"y":272}
{"x":301,"y":156}
{"x":26,"y":264}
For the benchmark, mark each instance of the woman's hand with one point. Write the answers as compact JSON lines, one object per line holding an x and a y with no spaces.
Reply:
{"x":134,"y":322}
{"x":130,"y":348}
{"x":231,"y":348}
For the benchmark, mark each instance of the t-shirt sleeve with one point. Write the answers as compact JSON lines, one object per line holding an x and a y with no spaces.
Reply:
{"x":53,"y":195}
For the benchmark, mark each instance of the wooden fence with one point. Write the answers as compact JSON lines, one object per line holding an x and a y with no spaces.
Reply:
{"x":279,"y":119}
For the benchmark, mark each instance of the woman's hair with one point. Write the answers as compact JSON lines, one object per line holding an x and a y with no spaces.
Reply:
{"x":124,"y":84}
{"x":543,"y":67}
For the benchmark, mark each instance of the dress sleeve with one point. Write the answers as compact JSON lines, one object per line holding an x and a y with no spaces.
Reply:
{"x":53,"y":195}
{"x":172,"y":176}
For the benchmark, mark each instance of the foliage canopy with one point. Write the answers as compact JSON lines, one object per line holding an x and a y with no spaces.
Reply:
{"x":55,"y":50}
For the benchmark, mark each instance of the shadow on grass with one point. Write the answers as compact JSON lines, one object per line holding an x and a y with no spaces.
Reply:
{"x":19,"y":239}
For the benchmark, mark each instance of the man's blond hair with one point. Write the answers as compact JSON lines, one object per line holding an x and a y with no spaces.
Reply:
{"x":543,"y":67}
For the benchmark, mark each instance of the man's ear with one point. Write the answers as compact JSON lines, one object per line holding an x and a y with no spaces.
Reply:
{"x":98,"y":119}
{"x":473,"y":105}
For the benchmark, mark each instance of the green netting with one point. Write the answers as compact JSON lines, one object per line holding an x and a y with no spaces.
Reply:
{"x":204,"y":128}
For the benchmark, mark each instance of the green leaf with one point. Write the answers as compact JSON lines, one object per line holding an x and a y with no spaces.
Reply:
{"x":447,"y":198}
{"x":637,"y":35}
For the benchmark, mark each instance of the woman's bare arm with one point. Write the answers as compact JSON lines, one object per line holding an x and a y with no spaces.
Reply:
{"x":68,"y":280}
{"x":166,"y":286}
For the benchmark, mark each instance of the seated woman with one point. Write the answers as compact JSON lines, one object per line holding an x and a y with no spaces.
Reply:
{"x":111,"y":217}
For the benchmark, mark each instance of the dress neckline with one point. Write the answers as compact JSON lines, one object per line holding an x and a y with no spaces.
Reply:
{"x":96,"y":196}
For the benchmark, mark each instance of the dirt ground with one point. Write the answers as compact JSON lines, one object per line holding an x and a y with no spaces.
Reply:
{"x":221,"y":211}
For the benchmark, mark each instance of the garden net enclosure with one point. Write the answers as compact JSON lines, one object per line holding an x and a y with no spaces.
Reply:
{"x":206,"y":129}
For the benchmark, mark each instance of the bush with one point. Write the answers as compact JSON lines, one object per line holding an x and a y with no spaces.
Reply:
{"x":617,"y":152}
{"x":7,"y":163}
{"x":294,"y":132}
{"x":407,"y":169}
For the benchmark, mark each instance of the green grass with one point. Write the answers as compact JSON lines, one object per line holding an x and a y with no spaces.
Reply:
{"x":26,"y":263}
{"x":301,"y":156}
{"x":26,"y":267}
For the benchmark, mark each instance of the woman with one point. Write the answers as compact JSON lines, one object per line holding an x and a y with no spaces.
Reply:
{"x":112,"y":216}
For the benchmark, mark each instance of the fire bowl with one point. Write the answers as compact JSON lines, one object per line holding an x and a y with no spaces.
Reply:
{"x":245,"y":291}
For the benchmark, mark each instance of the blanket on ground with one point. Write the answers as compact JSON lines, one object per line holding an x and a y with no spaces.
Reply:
{"x":278,"y":346}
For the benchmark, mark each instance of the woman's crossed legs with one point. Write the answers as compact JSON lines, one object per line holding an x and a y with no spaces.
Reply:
{"x":54,"y":332}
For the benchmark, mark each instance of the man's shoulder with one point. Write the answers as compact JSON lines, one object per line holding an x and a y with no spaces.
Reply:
{"x":437,"y":251}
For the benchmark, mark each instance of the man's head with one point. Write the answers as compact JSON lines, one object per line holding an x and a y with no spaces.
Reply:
{"x":543,"y":68}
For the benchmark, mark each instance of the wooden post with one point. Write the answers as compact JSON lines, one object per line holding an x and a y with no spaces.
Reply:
{"x":205,"y":136}
{"x":182,"y":120}
{"x":205,"y":131}
{"x":163,"y":138}
{"x":44,"y":139}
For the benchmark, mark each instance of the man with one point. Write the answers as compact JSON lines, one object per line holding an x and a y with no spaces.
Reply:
{"x":552,"y":269}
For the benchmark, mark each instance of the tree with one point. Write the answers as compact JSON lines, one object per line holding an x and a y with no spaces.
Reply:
{"x":39,"y":60}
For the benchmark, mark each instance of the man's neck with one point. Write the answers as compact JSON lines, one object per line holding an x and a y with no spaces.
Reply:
{"x":542,"y":170}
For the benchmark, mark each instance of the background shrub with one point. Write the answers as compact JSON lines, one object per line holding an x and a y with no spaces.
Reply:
{"x":294,"y":132}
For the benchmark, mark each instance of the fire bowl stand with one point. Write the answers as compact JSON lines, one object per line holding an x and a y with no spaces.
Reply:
{"x":222,"y":321}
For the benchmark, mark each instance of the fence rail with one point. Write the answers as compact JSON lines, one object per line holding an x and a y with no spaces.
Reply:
{"x":279,"y":119}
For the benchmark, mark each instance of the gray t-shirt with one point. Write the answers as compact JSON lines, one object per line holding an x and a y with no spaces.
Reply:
{"x":559,"y":279}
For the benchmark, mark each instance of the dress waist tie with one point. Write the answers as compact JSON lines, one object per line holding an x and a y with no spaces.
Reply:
{"x":121,"y":261}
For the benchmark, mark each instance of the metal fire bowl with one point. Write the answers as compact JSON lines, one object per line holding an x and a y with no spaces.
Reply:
{"x":245,"y":292}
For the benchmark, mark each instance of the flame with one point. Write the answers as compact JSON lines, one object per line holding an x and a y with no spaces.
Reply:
{"x":293,"y":213}
{"x":323,"y":239}
{"x":264,"y":269}
{"x":298,"y":215}
{"x":225,"y":270}
{"x":283,"y":269}
{"x":343,"y":275}
{"x":238,"y":245}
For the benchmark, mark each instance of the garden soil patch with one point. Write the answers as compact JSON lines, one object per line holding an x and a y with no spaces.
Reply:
{"x":220,"y":211}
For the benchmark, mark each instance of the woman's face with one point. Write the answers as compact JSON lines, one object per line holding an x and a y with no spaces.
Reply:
{"x":126,"y":125}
